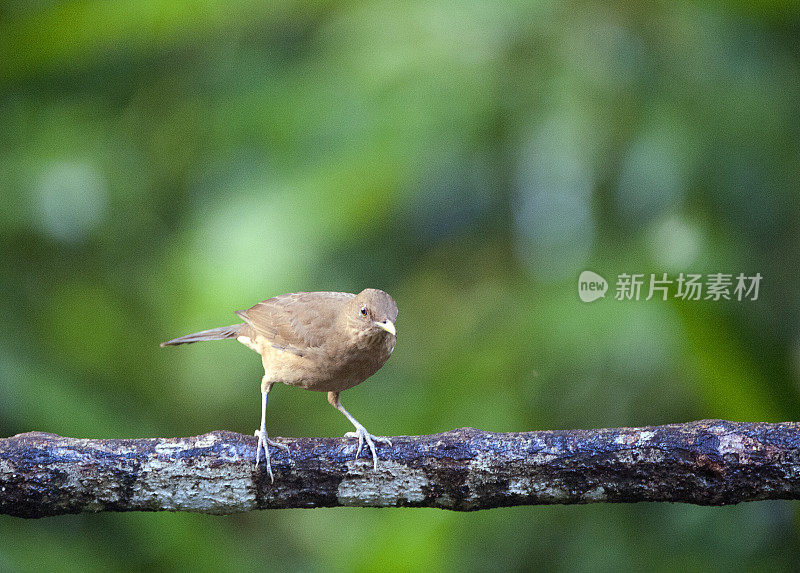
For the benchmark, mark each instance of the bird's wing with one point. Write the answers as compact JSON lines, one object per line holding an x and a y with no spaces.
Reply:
{"x":296,"y":322}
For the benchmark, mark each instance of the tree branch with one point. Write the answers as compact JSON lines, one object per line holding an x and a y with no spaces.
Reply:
{"x":710,"y":462}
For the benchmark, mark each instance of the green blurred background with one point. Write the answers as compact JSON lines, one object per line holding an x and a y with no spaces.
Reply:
{"x":166,"y":163}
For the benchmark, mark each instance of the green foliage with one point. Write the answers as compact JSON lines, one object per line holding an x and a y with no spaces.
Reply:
{"x":166,"y":163}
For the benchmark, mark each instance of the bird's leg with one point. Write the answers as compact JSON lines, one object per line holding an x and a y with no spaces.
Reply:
{"x":361,"y":432}
{"x":263,"y":439}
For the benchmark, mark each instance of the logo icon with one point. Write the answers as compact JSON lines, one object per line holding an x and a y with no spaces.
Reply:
{"x":591,"y":286}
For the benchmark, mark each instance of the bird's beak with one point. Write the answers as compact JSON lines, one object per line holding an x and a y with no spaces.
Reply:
{"x":388,"y":326}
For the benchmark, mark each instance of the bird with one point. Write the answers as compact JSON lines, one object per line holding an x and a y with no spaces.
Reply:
{"x":320,"y":341}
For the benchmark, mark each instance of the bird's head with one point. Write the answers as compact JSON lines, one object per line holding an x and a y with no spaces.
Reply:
{"x":373,"y":311}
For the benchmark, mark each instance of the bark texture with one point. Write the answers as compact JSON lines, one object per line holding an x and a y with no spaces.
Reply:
{"x":710,"y":462}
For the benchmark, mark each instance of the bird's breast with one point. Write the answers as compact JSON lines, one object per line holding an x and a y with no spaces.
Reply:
{"x":359,"y":361}
{"x":335,"y":366}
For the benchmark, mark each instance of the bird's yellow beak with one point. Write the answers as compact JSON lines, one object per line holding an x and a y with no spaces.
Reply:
{"x":388,"y":326}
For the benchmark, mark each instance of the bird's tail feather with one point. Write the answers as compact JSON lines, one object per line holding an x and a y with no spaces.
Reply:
{"x":221,"y":333}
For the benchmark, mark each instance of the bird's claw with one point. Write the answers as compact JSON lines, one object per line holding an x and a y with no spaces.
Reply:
{"x":362,"y":434}
{"x":284,"y":447}
{"x":262,"y":444}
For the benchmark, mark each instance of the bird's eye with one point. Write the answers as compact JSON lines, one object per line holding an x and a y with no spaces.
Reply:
{"x":363,"y":311}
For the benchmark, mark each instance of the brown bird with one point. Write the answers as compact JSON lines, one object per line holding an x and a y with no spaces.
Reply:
{"x":323,"y":341}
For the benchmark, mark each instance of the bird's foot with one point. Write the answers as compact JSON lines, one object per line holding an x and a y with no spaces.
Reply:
{"x":362,"y":434}
{"x":263,"y":441}
{"x":257,"y":434}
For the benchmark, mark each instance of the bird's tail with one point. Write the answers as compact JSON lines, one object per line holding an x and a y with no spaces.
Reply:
{"x":221,"y":333}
